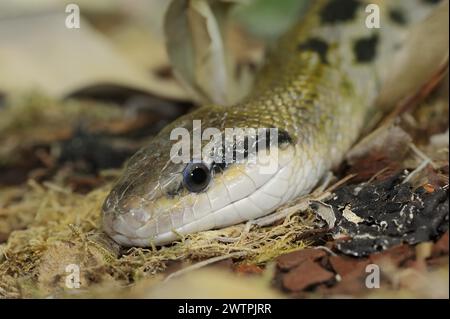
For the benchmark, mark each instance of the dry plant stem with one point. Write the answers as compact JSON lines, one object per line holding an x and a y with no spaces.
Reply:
{"x":417,"y":170}
{"x":328,"y":250}
{"x":422,"y":155}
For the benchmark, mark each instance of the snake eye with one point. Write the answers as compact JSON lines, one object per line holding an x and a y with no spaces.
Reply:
{"x":196,"y":177}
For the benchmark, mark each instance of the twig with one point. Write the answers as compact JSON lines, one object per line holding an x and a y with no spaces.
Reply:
{"x":418,"y":169}
{"x":246,"y":230}
{"x":381,"y":171}
{"x":227,"y":240}
{"x":422,"y":155}
{"x":325,"y":182}
{"x":328,"y":250}
{"x":340,"y":182}
{"x":56,"y":188}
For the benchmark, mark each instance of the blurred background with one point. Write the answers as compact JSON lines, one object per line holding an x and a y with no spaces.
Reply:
{"x":88,"y":97}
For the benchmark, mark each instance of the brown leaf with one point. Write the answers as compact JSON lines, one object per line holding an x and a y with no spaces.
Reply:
{"x":424,"y":53}
{"x":306,"y":274}
{"x":38,"y":52}
{"x":389,"y":140}
{"x":397,"y":255}
{"x":248,"y":269}
{"x":375,"y":166}
{"x":441,"y":246}
{"x":347,"y":266}
{"x":291,"y":260}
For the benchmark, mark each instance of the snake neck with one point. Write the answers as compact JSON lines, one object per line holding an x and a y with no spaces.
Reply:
{"x":328,"y":70}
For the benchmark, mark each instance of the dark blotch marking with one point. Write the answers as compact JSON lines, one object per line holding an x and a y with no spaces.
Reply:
{"x":339,"y":11}
{"x":219,"y":167}
{"x":316,"y":45}
{"x":398,"y":17}
{"x":365,"y":48}
{"x":284,"y":137}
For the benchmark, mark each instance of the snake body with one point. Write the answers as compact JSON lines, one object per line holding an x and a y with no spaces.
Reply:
{"x":317,"y":89}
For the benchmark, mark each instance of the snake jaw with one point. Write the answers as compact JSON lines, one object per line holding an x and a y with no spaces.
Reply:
{"x":238,"y":194}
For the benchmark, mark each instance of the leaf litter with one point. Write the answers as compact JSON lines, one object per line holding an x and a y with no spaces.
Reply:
{"x":46,"y":226}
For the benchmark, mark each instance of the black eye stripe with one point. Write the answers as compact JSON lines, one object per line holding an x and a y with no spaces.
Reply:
{"x":259,"y":143}
{"x":265,"y":143}
{"x":196,"y":177}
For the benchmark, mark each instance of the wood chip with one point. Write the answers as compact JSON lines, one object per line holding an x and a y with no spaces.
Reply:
{"x":348,"y":266}
{"x":396,"y":255}
{"x":441,"y":246}
{"x":291,"y":260}
{"x":305,"y":275}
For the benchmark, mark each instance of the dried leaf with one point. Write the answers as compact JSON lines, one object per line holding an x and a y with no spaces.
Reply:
{"x":295,"y":258}
{"x":195,"y":31}
{"x":351,"y":216}
{"x":39,"y":52}
{"x":390,"y":140}
{"x":423,"y":55}
{"x":325,"y":212}
{"x":348,"y":266}
{"x":306,"y":274}
{"x":146,"y":50}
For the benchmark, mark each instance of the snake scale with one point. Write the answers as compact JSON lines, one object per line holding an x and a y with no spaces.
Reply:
{"x":316,"y":89}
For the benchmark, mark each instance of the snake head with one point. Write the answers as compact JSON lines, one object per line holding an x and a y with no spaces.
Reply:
{"x":158,"y":199}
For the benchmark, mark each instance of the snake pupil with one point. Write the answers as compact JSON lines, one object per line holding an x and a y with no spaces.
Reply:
{"x":196,"y":177}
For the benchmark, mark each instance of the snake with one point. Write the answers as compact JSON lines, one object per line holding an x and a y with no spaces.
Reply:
{"x":317,"y":89}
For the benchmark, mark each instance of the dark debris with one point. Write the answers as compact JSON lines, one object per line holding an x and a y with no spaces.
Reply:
{"x":391,"y":212}
{"x":93,"y":151}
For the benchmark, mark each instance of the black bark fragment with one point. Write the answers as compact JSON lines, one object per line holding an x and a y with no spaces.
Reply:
{"x":391,"y":213}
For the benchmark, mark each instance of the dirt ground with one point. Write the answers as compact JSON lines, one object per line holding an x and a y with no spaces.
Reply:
{"x":375,"y":227}
{"x":50,"y":220}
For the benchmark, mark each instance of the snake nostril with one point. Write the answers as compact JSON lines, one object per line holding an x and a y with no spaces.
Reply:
{"x":136,"y":218}
{"x":110,"y":205}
